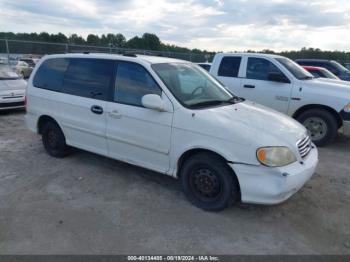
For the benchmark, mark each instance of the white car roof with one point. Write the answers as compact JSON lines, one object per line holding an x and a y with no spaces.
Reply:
{"x":144,"y":58}
{"x":251,"y":54}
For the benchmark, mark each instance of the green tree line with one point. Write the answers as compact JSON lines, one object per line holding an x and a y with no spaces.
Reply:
{"x":150,"y":41}
{"x":146,"y":42}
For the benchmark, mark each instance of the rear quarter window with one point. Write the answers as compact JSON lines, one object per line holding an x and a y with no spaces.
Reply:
{"x":50,"y":74}
{"x":229,"y":66}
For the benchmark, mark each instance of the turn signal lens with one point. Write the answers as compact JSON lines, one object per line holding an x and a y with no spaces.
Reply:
{"x":275,"y":156}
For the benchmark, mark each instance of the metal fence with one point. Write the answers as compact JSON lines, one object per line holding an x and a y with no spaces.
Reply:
{"x":12,"y":50}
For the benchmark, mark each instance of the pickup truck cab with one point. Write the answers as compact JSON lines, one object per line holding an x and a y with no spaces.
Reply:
{"x":172,"y":117}
{"x":323,"y":107}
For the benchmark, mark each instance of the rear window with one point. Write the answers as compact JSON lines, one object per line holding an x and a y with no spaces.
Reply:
{"x":229,"y":66}
{"x":50,"y":74}
{"x":91,"y":78}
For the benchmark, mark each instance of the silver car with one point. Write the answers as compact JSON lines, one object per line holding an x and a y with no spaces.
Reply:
{"x":12,"y":89}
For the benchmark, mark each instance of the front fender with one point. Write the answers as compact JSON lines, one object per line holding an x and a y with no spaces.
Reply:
{"x":232,"y":152}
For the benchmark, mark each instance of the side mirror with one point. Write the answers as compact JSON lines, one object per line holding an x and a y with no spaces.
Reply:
{"x":278,"y":77}
{"x":154,"y":102}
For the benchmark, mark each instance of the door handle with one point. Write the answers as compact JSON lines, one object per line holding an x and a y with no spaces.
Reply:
{"x":97,"y":110}
{"x":115,"y":114}
{"x":249,"y":86}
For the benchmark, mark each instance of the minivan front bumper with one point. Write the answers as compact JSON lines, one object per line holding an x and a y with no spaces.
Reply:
{"x":266,"y":185}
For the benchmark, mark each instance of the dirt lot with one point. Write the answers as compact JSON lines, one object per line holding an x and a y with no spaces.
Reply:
{"x":88,"y":204}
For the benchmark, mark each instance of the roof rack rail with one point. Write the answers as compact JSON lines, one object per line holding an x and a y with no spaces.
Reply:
{"x":130,"y":54}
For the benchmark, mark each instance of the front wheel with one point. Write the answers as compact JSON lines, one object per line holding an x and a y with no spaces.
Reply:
{"x":208,"y":182}
{"x":321,"y":124}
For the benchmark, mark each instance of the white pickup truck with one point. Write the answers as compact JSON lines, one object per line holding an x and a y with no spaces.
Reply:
{"x":278,"y":82}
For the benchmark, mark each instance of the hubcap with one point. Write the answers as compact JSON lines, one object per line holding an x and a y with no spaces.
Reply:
{"x":317,"y":127}
{"x":205,"y":184}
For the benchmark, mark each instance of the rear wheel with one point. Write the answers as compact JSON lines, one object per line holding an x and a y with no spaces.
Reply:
{"x":321,"y":124}
{"x":208,"y":182}
{"x":53,"y":140}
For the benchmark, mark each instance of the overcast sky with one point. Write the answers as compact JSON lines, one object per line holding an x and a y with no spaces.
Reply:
{"x":226,"y":25}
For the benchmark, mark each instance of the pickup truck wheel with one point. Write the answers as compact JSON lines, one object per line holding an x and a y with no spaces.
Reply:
{"x":208,"y":182}
{"x":322,"y":125}
{"x":53,"y":140}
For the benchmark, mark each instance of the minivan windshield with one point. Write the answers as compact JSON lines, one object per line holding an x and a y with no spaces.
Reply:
{"x":6,"y":73}
{"x":192,"y":86}
{"x":296,"y":70}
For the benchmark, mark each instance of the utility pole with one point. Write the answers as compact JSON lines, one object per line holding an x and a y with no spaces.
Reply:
{"x":7,"y":51}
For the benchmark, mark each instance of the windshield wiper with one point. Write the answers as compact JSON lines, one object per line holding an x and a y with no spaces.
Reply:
{"x":208,"y":103}
{"x":232,"y":100}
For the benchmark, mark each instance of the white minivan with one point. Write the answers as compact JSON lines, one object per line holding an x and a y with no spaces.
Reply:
{"x":172,"y":117}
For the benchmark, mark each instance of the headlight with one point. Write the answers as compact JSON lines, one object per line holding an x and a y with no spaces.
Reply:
{"x":347,"y":108}
{"x":275,"y":156}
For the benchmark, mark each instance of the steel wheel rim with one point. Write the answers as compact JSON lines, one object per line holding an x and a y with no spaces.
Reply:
{"x":317,"y":127}
{"x":205,"y":184}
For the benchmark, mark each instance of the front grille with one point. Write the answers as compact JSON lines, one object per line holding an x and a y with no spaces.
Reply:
{"x":14,"y":104}
{"x":304,"y":146}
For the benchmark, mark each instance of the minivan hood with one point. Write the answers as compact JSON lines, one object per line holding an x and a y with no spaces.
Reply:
{"x":250,"y":124}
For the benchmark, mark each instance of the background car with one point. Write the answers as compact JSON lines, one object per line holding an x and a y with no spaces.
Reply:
{"x":320,"y":72}
{"x":347,"y":65}
{"x":25,"y":66}
{"x":340,"y":71}
{"x":12,"y":89}
{"x":205,"y":66}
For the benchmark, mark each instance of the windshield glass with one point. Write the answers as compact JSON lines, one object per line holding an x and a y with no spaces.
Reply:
{"x":339,"y":66}
{"x":6,"y":73}
{"x":192,"y":86}
{"x":296,"y":70}
{"x":329,"y":74}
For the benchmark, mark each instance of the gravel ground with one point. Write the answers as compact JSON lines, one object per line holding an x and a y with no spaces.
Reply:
{"x":88,"y":204}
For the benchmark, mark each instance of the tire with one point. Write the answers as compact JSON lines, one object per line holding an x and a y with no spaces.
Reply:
{"x":53,"y":140}
{"x":208,"y":182}
{"x":322,"y":125}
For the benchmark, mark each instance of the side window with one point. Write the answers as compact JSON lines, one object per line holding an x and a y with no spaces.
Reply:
{"x":229,"y":66}
{"x":330,"y":67}
{"x":260,"y":68}
{"x":316,"y":74}
{"x":91,"y":78}
{"x":133,"y":82}
{"x":50,"y":74}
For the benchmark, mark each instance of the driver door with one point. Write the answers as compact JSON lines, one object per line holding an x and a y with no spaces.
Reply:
{"x":136,"y":134}
{"x":256,"y":86}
